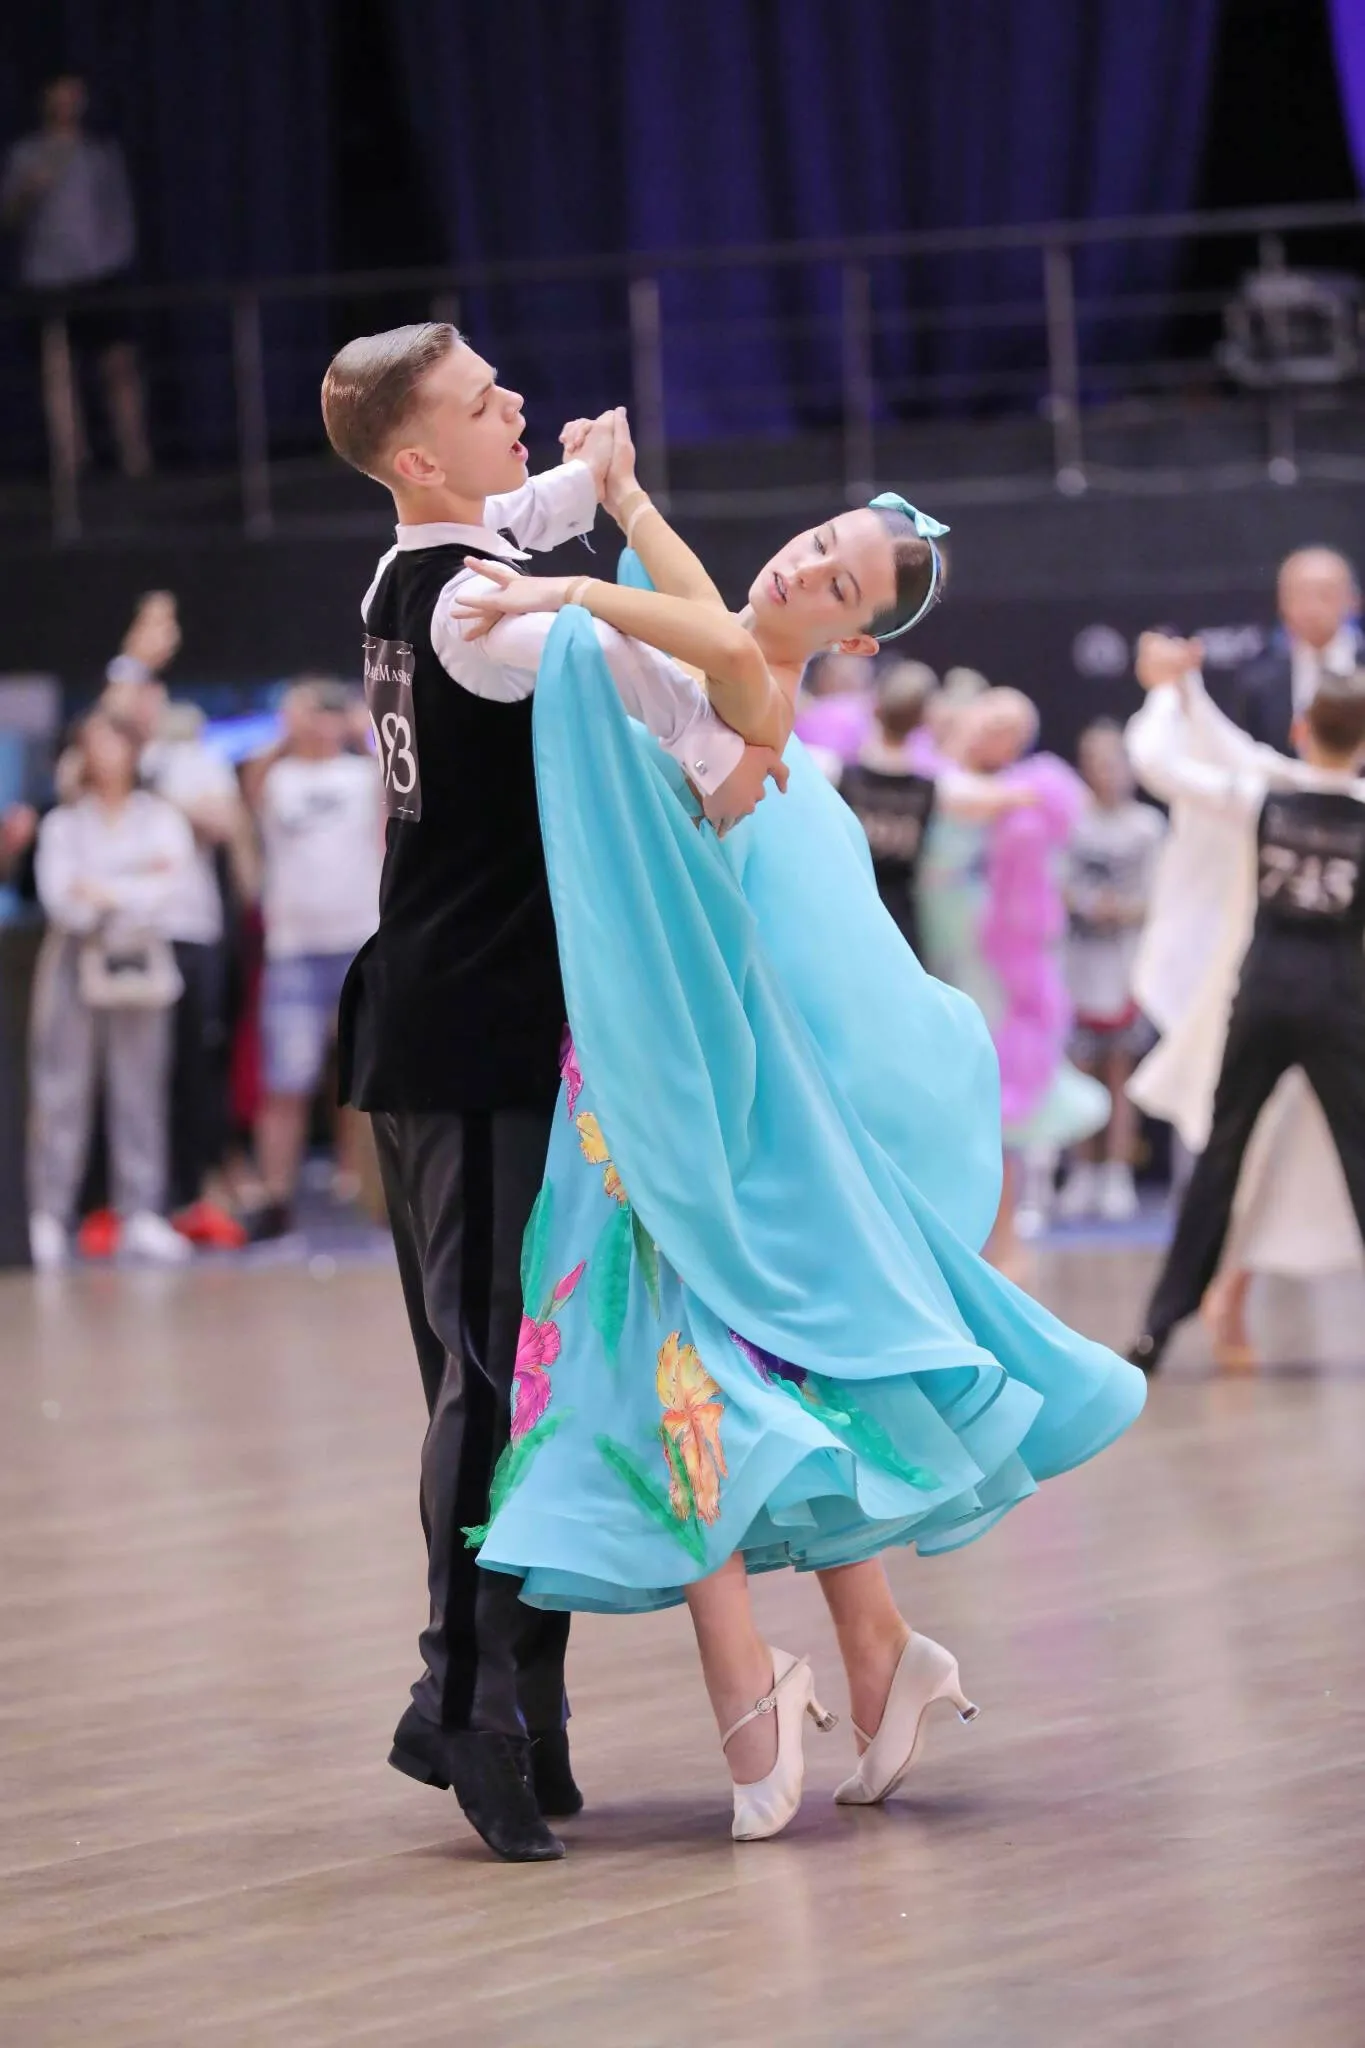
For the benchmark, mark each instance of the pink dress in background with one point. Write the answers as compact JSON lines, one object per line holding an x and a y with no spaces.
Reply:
{"x":993,"y":917}
{"x":837,"y":725}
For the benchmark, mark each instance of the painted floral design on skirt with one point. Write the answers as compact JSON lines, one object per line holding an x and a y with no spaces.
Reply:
{"x":690,"y":1431}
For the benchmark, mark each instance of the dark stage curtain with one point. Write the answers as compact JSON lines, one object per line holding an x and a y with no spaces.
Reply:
{"x":554,"y":129}
{"x":1348,"y":35}
{"x":515,"y":109}
{"x":222,"y":110}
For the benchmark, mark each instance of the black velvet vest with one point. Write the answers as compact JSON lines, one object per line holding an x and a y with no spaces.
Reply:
{"x":456,"y":1003}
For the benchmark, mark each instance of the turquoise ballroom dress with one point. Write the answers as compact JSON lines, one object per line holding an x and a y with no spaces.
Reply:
{"x":755,"y":1314}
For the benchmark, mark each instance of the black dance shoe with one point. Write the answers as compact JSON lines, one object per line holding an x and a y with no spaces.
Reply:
{"x":490,"y":1775}
{"x":1148,"y":1350}
{"x":552,"y":1775}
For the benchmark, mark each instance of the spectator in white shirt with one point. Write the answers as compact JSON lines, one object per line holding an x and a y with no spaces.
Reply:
{"x":178,"y":765}
{"x":1111,"y":861}
{"x":320,"y":810}
{"x":108,"y":865}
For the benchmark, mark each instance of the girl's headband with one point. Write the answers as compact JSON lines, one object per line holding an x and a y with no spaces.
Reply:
{"x":928,"y":529}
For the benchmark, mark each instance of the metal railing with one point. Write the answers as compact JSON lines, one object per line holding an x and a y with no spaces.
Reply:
{"x":1058,"y":318}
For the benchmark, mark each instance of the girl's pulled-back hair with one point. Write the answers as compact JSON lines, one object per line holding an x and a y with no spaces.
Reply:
{"x":919,"y":574}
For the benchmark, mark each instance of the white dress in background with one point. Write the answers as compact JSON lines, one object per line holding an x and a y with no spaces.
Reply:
{"x":1292,"y":1215}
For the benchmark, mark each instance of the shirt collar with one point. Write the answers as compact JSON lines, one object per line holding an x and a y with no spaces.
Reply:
{"x":1338,"y":656}
{"x":444,"y":533}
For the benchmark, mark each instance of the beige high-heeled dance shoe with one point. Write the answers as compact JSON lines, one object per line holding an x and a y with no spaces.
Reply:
{"x":926,"y":1675}
{"x":764,"y":1808}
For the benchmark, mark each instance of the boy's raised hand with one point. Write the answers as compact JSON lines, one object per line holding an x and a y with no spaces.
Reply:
{"x":593,"y":442}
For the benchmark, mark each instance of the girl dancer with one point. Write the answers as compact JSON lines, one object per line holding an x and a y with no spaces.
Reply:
{"x":757,"y":1332}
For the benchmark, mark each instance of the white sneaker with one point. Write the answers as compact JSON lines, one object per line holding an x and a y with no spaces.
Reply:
{"x":146,"y":1236}
{"x":1118,"y":1202}
{"x":1080,"y":1195}
{"x":48,"y":1244}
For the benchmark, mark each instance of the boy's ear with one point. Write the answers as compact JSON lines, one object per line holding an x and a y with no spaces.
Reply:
{"x":1299,"y":734}
{"x":413,"y":465}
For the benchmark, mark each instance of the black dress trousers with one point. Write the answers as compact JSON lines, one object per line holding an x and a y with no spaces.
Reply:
{"x":460,"y":1189}
{"x":1313,"y":1018}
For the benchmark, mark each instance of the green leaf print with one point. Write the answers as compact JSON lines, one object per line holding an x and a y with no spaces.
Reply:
{"x":609,"y":1281}
{"x":535,"y":1248}
{"x":865,"y":1437}
{"x":651,"y":1496}
{"x":673,"y":1458}
{"x":510,"y":1470}
{"x":647,"y":1253}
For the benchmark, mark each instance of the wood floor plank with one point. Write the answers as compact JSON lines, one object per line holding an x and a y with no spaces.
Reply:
{"x":210,"y":1583}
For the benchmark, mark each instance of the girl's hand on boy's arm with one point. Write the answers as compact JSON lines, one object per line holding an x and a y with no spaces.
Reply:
{"x":479,"y":610}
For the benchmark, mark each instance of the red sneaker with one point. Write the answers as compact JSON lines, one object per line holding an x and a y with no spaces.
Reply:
{"x":204,"y":1223}
{"x":98,"y":1236}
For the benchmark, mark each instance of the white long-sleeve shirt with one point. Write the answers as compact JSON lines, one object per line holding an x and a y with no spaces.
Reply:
{"x":503,"y":665}
{"x":1199,"y":756}
{"x":1201,"y":868}
{"x":137,"y":858}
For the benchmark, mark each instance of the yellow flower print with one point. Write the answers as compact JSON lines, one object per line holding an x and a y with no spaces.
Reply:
{"x":594,"y":1149}
{"x":691,"y":1424}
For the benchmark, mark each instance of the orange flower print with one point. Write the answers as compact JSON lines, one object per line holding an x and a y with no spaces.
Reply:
{"x":594,"y":1149}
{"x":691,"y":1424}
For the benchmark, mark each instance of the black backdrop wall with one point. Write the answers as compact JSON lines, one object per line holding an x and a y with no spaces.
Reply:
{"x":1047,"y":596}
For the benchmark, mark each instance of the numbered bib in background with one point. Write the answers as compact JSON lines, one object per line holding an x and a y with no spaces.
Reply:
{"x":388,"y":693}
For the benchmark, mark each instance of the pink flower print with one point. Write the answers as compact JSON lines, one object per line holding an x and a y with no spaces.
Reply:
{"x":568,"y":1283}
{"x":537,"y":1350}
{"x":570,"y":1073}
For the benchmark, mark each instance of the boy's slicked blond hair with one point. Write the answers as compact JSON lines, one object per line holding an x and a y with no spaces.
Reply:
{"x":372,"y":389}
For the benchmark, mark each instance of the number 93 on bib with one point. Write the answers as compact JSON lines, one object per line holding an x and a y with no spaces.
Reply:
{"x":389,"y":668}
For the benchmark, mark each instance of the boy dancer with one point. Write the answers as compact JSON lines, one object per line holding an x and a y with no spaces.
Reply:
{"x":452,"y":1014}
{"x":1301,"y":999}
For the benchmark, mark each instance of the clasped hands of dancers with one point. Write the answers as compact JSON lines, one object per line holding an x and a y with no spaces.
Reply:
{"x":687,"y":1160}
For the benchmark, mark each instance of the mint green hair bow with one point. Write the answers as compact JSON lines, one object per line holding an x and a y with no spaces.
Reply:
{"x":927,"y":529}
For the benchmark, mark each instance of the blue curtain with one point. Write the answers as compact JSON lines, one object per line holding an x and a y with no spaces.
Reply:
{"x":512,"y":109}
{"x":222,"y":110}
{"x":718,"y":123}
{"x":1348,"y":36}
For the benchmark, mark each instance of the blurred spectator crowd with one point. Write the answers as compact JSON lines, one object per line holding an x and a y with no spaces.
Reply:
{"x":202,"y":910}
{"x":200,"y":918}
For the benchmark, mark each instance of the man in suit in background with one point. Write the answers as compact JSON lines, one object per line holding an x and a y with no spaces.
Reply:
{"x":1318,"y":599}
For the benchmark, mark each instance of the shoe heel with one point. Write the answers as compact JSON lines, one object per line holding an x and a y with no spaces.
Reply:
{"x":417,"y":1767}
{"x":951,"y":1690}
{"x":824,"y":1721}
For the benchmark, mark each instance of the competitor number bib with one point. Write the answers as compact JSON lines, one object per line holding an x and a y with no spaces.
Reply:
{"x":389,"y":668}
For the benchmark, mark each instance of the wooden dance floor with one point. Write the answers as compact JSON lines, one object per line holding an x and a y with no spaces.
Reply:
{"x":1154,"y":1834}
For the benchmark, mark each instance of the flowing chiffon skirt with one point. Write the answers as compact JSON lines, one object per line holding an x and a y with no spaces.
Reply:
{"x":755,"y":1314}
